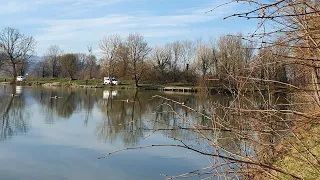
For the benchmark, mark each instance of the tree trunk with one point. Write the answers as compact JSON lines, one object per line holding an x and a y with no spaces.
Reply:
{"x":136,"y":80}
{"x":14,"y":71}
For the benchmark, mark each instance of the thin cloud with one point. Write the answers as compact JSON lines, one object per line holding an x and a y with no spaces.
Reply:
{"x":91,"y":30}
{"x":74,"y":24}
{"x":112,"y":23}
{"x":18,"y":6}
{"x":96,"y":2}
{"x":9,"y":7}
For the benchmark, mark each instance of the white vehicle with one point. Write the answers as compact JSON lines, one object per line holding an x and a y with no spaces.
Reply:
{"x":21,"y":78}
{"x":111,"y":80}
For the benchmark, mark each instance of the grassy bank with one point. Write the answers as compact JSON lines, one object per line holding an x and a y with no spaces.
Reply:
{"x":64,"y":81}
{"x":301,"y":156}
{"x":130,"y":84}
{"x":95,"y":83}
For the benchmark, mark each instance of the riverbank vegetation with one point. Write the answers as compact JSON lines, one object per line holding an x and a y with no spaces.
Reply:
{"x":132,"y":59}
{"x":193,"y":63}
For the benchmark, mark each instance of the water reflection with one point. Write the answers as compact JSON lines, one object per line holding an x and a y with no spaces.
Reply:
{"x":122,"y":118}
{"x":14,"y":118}
{"x":124,"y":115}
{"x":107,"y":94}
{"x":129,"y":117}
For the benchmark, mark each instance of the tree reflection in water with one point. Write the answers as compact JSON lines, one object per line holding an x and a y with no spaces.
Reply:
{"x":122,"y":118}
{"x":131,"y":116}
{"x":14,"y":118}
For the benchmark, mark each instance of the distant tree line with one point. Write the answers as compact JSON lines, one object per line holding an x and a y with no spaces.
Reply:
{"x":200,"y":62}
{"x":56,"y":64}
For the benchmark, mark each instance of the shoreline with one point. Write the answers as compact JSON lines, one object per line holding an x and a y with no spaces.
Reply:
{"x":104,"y":86}
{"x":149,"y":87}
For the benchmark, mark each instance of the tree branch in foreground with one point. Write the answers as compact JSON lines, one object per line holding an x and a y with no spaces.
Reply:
{"x":206,"y":154}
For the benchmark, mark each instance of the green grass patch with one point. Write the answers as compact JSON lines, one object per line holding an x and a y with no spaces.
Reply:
{"x":64,"y":81}
{"x":297,"y":160}
{"x":125,"y":84}
{"x":6,"y":79}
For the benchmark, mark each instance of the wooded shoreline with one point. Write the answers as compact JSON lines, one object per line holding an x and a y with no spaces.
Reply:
{"x":127,"y":85}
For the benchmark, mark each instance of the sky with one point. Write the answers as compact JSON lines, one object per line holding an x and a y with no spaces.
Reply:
{"x":76,"y":24}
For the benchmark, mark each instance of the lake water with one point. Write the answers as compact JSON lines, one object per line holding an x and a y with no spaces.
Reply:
{"x":62,"y":138}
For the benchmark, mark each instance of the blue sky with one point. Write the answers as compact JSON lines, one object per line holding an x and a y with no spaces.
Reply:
{"x":75,"y":24}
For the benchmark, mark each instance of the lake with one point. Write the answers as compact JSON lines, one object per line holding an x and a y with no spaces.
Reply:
{"x":59,"y":133}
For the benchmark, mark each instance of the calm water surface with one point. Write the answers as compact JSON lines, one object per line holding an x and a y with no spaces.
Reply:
{"x":48,"y":138}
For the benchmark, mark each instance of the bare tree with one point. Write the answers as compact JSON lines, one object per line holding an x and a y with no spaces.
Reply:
{"x":18,"y":47}
{"x":137,"y":51}
{"x":177,"y":54}
{"x":232,"y":59}
{"x":41,"y":69}
{"x":123,"y":66}
{"x":215,"y":53}
{"x":109,"y":47}
{"x":3,"y":58}
{"x":188,"y":57}
{"x":23,"y":66}
{"x":162,"y":57}
{"x":81,"y":64}
{"x":205,"y":59}
{"x":69,"y":65}
{"x":53,"y":55}
{"x":91,"y":64}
